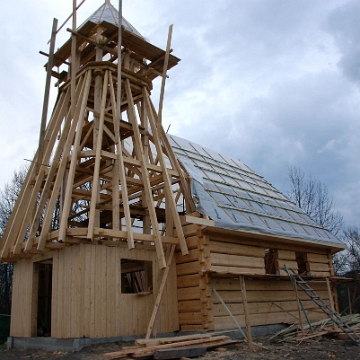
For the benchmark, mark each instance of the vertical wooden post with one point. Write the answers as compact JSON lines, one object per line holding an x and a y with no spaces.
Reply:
{"x":349,"y":299}
{"x":119,"y":60}
{"x":331,"y":299}
{"x":46,"y":96}
{"x":166,"y":62}
{"x":121,"y":174}
{"x":160,"y":293}
{"x":145,"y":176}
{"x":355,"y":290}
{"x":246,"y":312}
{"x":299,"y":309}
{"x":73,"y":59}
{"x":79,"y":119}
{"x":94,"y":217}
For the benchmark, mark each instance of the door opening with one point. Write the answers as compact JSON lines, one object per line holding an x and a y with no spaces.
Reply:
{"x":44,"y":298}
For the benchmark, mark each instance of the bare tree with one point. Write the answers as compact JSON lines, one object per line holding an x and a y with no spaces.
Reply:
{"x":313,"y":197}
{"x":352,"y":239}
{"x":7,"y":201}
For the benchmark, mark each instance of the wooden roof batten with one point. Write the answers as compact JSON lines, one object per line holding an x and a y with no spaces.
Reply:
{"x":109,"y":177}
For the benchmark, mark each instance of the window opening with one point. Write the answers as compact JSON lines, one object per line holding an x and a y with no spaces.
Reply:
{"x":300,"y":259}
{"x":270,"y":261}
{"x":136,"y":276}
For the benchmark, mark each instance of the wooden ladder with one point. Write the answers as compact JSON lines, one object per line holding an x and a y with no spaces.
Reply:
{"x":333,"y":315}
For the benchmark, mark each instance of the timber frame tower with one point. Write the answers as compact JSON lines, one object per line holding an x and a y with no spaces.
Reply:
{"x":104,"y":171}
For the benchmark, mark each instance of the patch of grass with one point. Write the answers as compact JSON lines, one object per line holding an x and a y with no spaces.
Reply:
{"x":3,"y":347}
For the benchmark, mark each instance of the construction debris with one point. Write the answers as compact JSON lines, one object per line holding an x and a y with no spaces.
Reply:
{"x":176,"y":347}
{"x":294,"y":333}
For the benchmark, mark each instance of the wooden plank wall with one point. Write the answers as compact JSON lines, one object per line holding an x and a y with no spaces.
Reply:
{"x":263,"y":296}
{"x":86,"y":295}
{"x":87,"y":299}
{"x":22,"y":300}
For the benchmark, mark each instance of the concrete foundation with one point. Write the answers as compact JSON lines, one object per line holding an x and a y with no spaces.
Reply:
{"x":51,"y":344}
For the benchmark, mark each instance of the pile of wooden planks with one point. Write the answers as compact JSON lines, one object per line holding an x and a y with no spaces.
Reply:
{"x":294,"y":333}
{"x":172,"y":347}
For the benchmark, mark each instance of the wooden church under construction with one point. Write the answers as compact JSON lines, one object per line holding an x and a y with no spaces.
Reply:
{"x":121,"y":229}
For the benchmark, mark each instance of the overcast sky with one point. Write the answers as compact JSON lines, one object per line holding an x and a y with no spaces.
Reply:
{"x":274,"y":83}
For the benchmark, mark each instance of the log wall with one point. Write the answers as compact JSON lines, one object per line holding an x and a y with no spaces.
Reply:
{"x":216,"y":262}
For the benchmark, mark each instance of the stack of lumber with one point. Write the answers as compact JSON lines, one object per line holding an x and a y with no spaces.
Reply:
{"x":294,"y":333}
{"x":172,"y":347}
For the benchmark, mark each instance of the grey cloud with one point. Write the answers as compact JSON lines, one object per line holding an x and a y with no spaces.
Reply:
{"x":344,"y":25}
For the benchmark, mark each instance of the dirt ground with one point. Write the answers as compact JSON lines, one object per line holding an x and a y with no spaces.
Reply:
{"x":326,"y":348}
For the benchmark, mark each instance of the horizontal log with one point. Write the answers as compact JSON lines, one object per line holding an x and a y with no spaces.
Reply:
{"x":191,"y":293}
{"x":190,"y":318}
{"x":319,"y":274}
{"x":188,"y":268}
{"x":317,"y":267}
{"x":192,"y":256}
{"x":118,"y":234}
{"x":192,"y":328}
{"x":188,"y":280}
{"x":285,"y":254}
{"x":192,"y":242}
{"x":318,"y":258}
{"x":190,"y":230}
{"x":236,"y":249}
{"x":279,"y":264}
{"x":236,"y":261}
{"x":282,"y":272}
{"x":190,"y":306}
{"x":259,"y":308}
{"x":171,"y":340}
{"x":236,"y":270}
{"x":264,"y":296}
{"x":262,"y":285}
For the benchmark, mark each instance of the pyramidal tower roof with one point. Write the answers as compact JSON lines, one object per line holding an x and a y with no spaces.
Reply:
{"x":108,"y":13}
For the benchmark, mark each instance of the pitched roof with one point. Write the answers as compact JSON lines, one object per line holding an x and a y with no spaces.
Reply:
{"x":108,"y":13}
{"x":237,"y":198}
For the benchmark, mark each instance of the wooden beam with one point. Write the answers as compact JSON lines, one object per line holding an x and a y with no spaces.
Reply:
{"x":166,"y":62}
{"x":11,"y":231}
{"x":160,"y":293}
{"x":121,"y":168}
{"x":145,"y":176}
{"x":73,"y":163}
{"x":95,"y":193}
{"x":46,"y":96}
{"x":247,"y":315}
{"x":190,"y":206}
{"x":167,"y":183}
{"x":299,"y":308}
{"x":66,"y":134}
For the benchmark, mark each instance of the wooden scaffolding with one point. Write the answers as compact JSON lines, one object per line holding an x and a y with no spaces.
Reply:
{"x":104,"y":170}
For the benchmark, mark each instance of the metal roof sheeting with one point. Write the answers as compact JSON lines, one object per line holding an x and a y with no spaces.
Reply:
{"x":110,"y":14}
{"x":235,"y":197}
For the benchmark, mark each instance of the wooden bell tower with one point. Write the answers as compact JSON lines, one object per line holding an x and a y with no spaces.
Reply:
{"x":104,"y":171}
